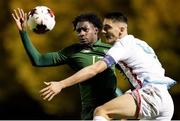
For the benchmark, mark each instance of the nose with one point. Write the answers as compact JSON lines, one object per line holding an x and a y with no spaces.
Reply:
{"x":103,"y":31}
{"x":81,"y":33}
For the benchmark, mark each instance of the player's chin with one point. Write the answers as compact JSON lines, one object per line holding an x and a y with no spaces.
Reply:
{"x":84,"y":42}
{"x":109,"y":40}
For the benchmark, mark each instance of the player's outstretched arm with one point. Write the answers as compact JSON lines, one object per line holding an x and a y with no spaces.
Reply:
{"x":37,"y":59}
{"x":20,"y":17}
{"x":53,"y":88}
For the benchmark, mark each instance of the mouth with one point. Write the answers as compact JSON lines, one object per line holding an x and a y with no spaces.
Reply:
{"x":109,"y":39}
{"x":83,"y":40}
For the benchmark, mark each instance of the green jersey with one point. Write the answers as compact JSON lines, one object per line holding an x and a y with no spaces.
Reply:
{"x":95,"y":91}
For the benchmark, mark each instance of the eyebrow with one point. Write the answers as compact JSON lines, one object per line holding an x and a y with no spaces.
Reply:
{"x":106,"y":26}
{"x":82,"y":27}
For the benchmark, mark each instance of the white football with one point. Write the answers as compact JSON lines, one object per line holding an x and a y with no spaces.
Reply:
{"x":41,"y":19}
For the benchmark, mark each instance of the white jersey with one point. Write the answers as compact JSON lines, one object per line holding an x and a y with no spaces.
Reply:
{"x":138,"y":61}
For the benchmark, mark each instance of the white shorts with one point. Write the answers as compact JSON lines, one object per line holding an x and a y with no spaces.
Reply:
{"x":154,"y":102}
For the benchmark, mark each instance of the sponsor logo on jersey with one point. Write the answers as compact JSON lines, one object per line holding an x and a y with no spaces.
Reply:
{"x":86,"y":51}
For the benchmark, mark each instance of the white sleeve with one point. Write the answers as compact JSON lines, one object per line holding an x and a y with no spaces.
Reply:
{"x":118,"y":52}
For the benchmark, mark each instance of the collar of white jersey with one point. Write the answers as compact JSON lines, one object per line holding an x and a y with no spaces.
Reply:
{"x":125,"y":38}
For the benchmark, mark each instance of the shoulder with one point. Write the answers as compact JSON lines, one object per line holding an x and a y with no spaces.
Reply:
{"x":71,"y":49}
{"x":128,"y":39}
{"x":74,"y":46}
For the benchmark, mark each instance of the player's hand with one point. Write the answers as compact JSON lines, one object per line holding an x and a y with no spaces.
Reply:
{"x":20,"y":18}
{"x":52,"y":89}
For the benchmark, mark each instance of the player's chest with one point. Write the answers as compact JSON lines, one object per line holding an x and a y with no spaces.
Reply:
{"x":87,"y":57}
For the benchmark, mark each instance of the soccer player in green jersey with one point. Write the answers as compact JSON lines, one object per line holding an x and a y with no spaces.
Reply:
{"x":95,"y":91}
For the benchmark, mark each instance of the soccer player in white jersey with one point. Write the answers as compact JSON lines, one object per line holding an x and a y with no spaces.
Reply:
{"x":150,"y":99}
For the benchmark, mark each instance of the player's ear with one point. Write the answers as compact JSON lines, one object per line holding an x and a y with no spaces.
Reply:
{"x":122,"y":29}
{"x":96,"y":30}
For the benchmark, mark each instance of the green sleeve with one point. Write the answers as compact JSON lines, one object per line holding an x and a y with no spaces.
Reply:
{"x":38,"y":59}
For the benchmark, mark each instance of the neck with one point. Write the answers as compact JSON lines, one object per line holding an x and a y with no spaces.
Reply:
{"x":92,"y":43}
{"x":123,"y":35}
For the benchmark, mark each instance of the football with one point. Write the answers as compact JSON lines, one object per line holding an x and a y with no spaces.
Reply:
{"x":41,"y":19}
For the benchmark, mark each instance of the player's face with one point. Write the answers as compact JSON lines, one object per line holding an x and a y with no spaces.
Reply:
{"x":86,"y":32}
{"x":111,"y":30}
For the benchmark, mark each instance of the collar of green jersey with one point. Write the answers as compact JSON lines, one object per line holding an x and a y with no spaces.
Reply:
{"x":95,"y":44}
{"x":99,"y":43}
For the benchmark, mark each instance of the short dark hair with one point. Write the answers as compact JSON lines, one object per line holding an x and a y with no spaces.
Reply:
{"x":90,"y":17}
{"x":116,"y":16}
